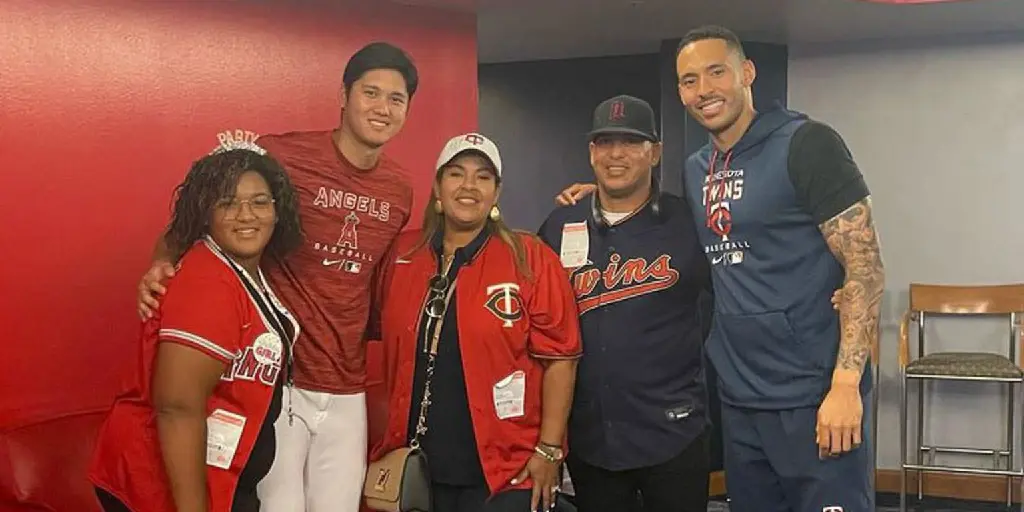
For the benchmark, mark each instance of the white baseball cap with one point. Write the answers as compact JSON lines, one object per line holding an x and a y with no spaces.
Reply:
{"x":470,"y":142}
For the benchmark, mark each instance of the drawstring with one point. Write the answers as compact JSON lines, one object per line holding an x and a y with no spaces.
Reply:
{"x":715,"y":186}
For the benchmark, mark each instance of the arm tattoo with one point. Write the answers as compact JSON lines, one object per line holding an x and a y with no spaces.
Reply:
{"x":853,"y":240}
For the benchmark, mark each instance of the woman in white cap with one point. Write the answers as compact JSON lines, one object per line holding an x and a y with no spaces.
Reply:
{"x":481,"y":337}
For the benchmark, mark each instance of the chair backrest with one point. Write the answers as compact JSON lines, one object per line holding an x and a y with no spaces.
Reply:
{"x":967,"y":300}
{"x":937,"y":299}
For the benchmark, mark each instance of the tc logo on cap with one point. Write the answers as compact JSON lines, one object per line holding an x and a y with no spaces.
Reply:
{"x":474,"y":139}
{"x":618,"y":111}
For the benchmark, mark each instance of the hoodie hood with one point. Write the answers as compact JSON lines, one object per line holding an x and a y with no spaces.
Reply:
{"x":764,"y":125}
{"x":719,"y":163}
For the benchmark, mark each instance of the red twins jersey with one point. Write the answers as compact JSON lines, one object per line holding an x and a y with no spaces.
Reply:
{"x":506,"y":325}
{"x":207,"y":308}
{"x":350,"y":217}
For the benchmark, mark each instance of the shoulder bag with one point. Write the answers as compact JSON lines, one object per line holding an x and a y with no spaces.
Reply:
{"x":400,"y":480}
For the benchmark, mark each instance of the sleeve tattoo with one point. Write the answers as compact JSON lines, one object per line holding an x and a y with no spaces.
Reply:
{"x":852,"y":238}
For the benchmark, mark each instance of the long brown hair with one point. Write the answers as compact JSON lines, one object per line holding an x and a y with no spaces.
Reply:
{"x":433,"y":222}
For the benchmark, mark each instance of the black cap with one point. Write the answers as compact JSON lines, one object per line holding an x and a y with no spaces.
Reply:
{"x":625,"y":115}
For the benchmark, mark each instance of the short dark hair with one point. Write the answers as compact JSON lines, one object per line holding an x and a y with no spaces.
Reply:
{"x":215,"y":177}
{"x":381,"y":55}
{"x":706,"y":32}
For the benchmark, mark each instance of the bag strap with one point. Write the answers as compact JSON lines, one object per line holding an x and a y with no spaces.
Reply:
{"x":421,"y":422}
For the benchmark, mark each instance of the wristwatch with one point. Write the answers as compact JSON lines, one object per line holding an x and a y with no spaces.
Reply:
{"x":550,"y":452}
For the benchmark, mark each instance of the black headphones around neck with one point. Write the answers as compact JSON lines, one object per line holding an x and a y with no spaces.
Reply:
{"x":654,"y":203}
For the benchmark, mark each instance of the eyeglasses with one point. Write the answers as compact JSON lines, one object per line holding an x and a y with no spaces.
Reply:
{"x":261,"y":206}
{"x":435,"y":305}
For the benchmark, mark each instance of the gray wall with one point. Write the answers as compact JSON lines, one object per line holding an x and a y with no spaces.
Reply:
{"x":937,"y":131}
{"x":539,"y":113}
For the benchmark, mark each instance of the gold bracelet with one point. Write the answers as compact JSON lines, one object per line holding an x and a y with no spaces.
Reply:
{"x":547,"y":456}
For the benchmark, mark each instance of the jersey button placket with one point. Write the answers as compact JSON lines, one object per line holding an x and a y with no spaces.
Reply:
{"x":606,"y":308}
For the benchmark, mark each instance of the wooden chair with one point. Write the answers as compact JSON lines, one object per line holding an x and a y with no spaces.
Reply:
{"x":927,"y":300}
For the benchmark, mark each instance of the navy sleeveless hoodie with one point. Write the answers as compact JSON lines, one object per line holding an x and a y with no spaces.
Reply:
{"x":775,"y":336}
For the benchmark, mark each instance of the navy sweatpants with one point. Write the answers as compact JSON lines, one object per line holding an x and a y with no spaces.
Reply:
{"x":772,"y":464}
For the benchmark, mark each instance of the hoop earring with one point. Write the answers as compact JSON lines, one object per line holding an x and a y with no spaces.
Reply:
{"x":495,"y":213}
{"x":437,"y":206}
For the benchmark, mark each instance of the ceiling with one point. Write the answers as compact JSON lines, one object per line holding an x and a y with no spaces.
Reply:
{"x":514,"y":30}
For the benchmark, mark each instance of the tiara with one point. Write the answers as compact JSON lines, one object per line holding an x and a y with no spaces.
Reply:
{"x":239,"y":144}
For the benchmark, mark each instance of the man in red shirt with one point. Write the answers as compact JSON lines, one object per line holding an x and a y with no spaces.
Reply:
{"x":353,"y":202}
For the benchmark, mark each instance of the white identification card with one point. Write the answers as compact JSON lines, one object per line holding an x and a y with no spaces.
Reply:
{"x":575,"y":244}
{"x":223,"y":432}
{"x":510,"y":395}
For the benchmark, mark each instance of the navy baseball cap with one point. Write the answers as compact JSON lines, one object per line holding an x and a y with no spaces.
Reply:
{"x":624,"y":115}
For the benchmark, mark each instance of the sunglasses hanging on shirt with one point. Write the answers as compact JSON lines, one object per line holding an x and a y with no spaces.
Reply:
{"x":438,"y":286}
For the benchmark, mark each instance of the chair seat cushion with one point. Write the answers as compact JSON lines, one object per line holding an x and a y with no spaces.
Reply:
{"x":965,"y":364}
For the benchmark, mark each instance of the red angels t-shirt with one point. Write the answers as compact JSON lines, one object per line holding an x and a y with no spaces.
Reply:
{"x":349,"y":217}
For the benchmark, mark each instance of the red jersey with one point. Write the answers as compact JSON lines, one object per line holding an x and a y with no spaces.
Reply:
{"x":506,"y":326}
{"x":350,"y":217}
{"x":214,"y":307}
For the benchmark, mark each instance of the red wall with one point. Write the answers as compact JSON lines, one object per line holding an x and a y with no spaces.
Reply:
{"x":102,"y":107}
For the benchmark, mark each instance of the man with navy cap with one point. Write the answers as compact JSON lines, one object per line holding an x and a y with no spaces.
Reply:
{"x":638,"y":424}
{"x":786,"y":218}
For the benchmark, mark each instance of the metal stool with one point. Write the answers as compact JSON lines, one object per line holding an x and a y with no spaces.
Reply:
{"x":936,"y":300}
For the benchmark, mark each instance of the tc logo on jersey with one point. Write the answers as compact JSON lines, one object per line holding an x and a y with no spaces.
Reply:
{"x":720,"y":220}
{"x":504,"y":302}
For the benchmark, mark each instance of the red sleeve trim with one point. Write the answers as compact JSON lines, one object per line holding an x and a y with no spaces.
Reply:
{"x":198,"y":342}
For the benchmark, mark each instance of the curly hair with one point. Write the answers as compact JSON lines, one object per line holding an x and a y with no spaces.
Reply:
{"x":215,"y":177}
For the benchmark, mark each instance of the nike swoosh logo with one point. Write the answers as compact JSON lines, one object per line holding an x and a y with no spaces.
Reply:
{"x":328,"y":262}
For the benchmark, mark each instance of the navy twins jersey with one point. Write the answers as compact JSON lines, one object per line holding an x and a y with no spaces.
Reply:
{"x":640,"y":397}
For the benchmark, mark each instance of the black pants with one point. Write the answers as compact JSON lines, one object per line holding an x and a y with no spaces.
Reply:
{"x":109,"y":503}
{"x":450,"y":498}
{"x":678,"y":485}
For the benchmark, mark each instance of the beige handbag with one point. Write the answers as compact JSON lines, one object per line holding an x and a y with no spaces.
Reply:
{"x":400,"y":480}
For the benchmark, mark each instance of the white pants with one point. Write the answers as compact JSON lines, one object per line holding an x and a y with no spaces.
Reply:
{"x":320,"y":460}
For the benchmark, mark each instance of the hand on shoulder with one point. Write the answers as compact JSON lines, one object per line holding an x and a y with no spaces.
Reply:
{"x":574,"y":193}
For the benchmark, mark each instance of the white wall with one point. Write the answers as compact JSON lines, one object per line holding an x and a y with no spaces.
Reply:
{"x":938,"y":130}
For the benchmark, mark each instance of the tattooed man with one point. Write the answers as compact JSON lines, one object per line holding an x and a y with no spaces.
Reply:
{"x":785,"y":218}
